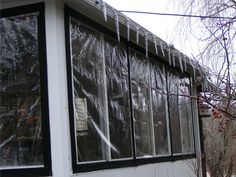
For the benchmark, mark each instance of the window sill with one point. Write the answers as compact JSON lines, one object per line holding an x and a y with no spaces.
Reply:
{"x":88,"y":167}
{"x":26,"y":172}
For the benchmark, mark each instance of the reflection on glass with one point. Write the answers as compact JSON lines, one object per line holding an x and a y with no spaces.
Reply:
{"x":159,"y":108}
{"x":101,"y":96}
{"x":118,"y":99}
{"x":186,"y":115}
{"x":89,"y":100}
{"x":20,"y":103}
{"x":139,"y":70}
{"x":101,"y":101}
{"x":181,"y":115}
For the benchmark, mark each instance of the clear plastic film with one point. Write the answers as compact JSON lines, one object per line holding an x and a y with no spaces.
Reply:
{"x":89,"y":91}
{"x":159,"y":102}
{"x":118,"y":99}
{"x":102,"y":114}
{"x":180,"y":116}
{"x":140,"y":75}
{"x":20,"y":106}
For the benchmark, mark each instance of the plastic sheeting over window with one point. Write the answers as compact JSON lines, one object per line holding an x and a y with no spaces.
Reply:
{"x":89,"y":91}
{"x":118,"y":99}
{"x":102,"y":75}
{"x":101,"y":96}
{"x":149,"y":96}
{"x":140,"y":79}
{"x":159,"y":108}
{"x":20,"y":103}
{"x":180,"y":113}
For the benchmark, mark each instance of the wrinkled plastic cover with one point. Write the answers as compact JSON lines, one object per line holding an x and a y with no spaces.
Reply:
{"x":20,"y":103}
{"x":118,"y":99}
{"x":101,"y":96}
{"x":149,"y":96}
{"x":101,"y":100}
{"x":181,"y":115}
{"x":159,"y":108}
{"x":140,"y":79}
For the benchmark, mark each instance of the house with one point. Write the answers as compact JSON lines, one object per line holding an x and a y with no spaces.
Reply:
{"x":85,"y":91}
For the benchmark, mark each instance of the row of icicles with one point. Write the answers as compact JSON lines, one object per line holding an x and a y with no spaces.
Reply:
{"x":172,"y":60}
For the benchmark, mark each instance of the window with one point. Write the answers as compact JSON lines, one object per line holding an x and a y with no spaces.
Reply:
{"x":159,"y":108}
{"x":149,"y":96}
{"x":125,"y":109}
{"x":118,"y":99}
{"x":180,"y":115}
{"x":100,"y":96}
{"x":139,"y":69}
{"x":23,"y":107}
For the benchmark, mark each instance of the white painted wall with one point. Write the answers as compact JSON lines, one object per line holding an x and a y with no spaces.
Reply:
{"x":57,"y":87}
{"x":167,"y":169}
{"x":58,"y":106}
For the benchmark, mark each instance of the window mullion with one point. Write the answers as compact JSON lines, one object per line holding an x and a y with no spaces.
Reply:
{"x":131,"y":105}
{"x":192,"y":114}
{"x":180,"y":115}
{"x":106,"y":150}
{"x":167,"y":114}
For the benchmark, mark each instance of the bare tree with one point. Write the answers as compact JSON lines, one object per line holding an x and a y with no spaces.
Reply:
{"x":215,"y":32}
{"x":219,"y":148}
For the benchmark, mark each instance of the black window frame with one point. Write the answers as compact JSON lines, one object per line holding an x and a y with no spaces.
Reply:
{"x":69,"y":12}
{"x":178,"y":156}
{"x":46,"y":169}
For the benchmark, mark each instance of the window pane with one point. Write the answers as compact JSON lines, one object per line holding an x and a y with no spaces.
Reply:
{"x":186,"y":115}
{"x":20,"y":103}
{"x":118,"y":100}
{"x":174,"y":113}
{"x":180,"y":113}
{"x":139,"y":70}
{"x":159,"y":108}
{"x":89,"y":91}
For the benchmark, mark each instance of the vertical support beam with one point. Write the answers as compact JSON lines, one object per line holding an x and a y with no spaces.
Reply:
{"x":198,"y":132}
{"x":106,"y":150}
{"x":57,"y":88}
{"x":201,"y":139}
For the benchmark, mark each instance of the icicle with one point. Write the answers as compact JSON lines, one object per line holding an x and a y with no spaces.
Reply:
{"x":155,"y":43}
{"x":185,"y":63}
{"x":146,"y":44}
{"x":194,"y":69}
{"x":137,"y":34}
{"x":104,"y":9}
{"x":128,"y":27}
{"x":173,"y":59}
{"x":169,"y":54}
{"x":162,"y":50}
{"x":180,"y":62}
{"x":117,"y":26}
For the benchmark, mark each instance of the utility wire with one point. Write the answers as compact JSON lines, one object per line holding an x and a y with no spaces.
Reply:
{"x":178,"y":15}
